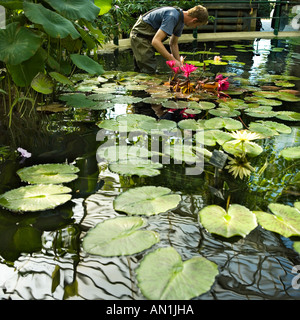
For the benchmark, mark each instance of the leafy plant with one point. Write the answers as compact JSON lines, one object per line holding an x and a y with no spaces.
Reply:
{"x":39,"y":39}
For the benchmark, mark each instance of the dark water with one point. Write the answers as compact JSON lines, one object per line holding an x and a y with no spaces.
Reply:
{"x":41,"y":256}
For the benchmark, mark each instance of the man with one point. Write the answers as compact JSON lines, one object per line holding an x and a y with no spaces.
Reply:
{"x":152,"y":28}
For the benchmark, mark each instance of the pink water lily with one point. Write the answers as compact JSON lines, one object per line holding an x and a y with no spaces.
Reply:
{"x":188,"y":69}
{"x":171,"y":63}
{"x":223,"y":84}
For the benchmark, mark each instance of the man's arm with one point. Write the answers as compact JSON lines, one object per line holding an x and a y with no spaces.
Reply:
{"x":157,"y":43}
{"x":174,"y":47}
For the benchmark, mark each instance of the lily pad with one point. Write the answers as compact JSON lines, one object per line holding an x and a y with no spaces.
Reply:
{"x":48,"y":173}
{"x":139,"y":167}
{"x":224,"y":112}
{"x":211,"y":137}
{"x":148,"y":200}
{"x":162,"y":275}
{"x":206,"y":105}
{"x":35,"y":198}
{"x":288,"y":115}
{"x":119,"y":236}
{"x":237,"y":221}
{"x":78,"y":100}
{"x":116,"y":153}
{"x":237,"y":147}
{"x":261,"y":112}
{"x":291,"y":153}
{"x":285,"y":219}
{"x":227,"y":123}
{"x":191,"y":124}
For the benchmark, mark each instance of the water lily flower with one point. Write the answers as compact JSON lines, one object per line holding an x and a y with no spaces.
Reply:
{"x":24,"y":153}
{"x":188,"y":69}
{"x":171,"y":63}
{"x":219,"y":77}
{"x":217,"y":59}
{"x":239,"y":166}
{"x":223,"y":84}
{"x":245,"y":136}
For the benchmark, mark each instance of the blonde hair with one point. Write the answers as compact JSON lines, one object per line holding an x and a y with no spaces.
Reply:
{"x":200,"y":13}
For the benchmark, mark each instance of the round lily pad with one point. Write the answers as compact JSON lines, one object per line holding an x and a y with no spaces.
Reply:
{"x":237,"y":147}
{"x":237,"y":221}
{"x":285,"y":219}
{"x":162,"y":275}
{"x":119,"y":236}
{"x":116,"y":153}
{"x":148,"y":200}
{"x":48,"y":173}
{"x":291,"y":153}
{"x":35,"y":198}
{"x":227,"y":123}
{"x":139,"y":167}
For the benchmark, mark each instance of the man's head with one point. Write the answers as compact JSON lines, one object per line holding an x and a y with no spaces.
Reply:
{"x":196,"y":16}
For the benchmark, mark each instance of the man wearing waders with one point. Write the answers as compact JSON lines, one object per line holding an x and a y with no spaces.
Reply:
{"x":152,"y":28}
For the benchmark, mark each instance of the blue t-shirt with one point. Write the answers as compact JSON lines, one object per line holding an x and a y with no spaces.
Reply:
{"x":166,"y":19}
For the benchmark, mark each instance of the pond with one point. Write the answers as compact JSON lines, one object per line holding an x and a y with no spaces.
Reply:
{"x":51,"y":254}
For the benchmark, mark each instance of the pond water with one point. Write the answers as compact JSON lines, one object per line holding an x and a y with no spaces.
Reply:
{"x":41,"y":253}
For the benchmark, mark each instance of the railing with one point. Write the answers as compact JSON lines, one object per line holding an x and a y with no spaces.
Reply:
{"x":278,"y":5}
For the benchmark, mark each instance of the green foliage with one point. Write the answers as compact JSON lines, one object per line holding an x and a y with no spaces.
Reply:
{"x":41,"y":38}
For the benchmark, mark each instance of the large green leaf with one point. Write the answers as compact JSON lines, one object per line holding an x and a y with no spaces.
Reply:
{"x":87,"y":64}
{"x":35,"y":198}
{"x":139,"y":167}
{"x":52,"y":173}
{"x":237,"y":221}
{"x":77,"y":100}
{"x":162,"y":275}
{"x":227,"y":123}
{"x":119,"y":236}
{"x":76,"y":9}
{"x":53,"y":23}
{"x":23,"y":73}
{"x":42,"y":83}
{"x":285,"y":219}
{"x":147,"y":201}
{"x":104,"y":5}
{"x":12,"y":4}
{"x":17,"y":44}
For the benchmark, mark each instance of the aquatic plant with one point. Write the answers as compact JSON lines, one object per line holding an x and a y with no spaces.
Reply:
{"x":46,"y":38}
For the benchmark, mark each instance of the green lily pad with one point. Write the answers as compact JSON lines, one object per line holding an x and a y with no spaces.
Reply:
{"x":191,"y":124}
{"x":227,"y":123}
{"x":284,"y":84}
{"x":261,"y":112}
{"x":288,"y":115}
{"x":212,"y":137}
{"x":18,"y":44}
{"x":116,"y":153}
{"x":291,"y":153}
{"x":139,"y":167}
{"x":162,"y":275}
{"x":285,"y":219}
{"x":234,"y":104}
{"x":119,"y":236}
{"x":237,"y":147}
{"x":224,"y":112}
{"x":78,"y":100}
{"x":264,"y":101}
{"x":48,"y":173}
{"x":148,"y":200}
{"x":35,"y":198}
{"x":206,"y":105}
{"x":262,"y":129}
{"x":237,"y":221}
{"x":289,"y":97}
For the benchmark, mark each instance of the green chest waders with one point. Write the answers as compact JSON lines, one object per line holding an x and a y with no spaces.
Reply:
{"x":141,"y":37}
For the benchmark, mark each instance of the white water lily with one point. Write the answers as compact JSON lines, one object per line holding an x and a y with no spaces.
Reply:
{"x":245,"y":135}
{"x":239,"y":166}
